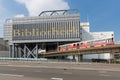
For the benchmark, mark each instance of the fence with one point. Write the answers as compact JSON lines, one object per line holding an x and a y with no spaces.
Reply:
{"x":36,"y":59}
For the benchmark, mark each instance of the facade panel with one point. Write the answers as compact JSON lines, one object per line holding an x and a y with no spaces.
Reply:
{"x":63,"y":27}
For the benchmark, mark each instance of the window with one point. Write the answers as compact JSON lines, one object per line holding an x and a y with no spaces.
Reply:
{"x":74,"y":44}
{"x":112,"y":35}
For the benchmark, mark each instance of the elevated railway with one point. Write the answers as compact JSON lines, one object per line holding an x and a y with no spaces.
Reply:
{"x":113,"y":49}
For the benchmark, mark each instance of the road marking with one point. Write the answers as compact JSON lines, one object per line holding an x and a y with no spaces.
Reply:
{"x":57,"y":78}
{"x":13,"y":69}
{"x":102,"y":71}
{"x":67,"y":73}
{"x":16,"y":65}
{"x":38,"y":71}
{"x":106,"y":75}
{"x":28,"y":66}
{"x":12,"y":75}
{"x":44,"y":66}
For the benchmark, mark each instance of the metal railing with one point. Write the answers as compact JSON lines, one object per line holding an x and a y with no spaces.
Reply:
{"x":36,"y":59}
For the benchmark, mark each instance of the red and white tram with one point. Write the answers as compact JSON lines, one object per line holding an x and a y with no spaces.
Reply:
{"x":86,"y":44}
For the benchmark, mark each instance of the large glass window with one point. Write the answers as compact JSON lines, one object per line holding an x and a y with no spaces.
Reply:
{"x":54,"y":29}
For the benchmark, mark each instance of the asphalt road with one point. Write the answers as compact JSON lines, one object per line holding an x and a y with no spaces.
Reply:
{"x":33,"y":71}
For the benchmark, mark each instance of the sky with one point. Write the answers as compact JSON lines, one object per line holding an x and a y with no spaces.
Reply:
{"x":104,"y":15}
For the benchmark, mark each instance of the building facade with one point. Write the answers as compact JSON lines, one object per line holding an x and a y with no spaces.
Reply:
{"x":87,"y":35}
{"x":26,"y":31}
{"x":26,"y":35}
{"x":46,"y":29}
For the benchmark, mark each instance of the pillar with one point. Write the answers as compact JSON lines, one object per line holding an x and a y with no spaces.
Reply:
{"x":10,"y":51}
{"x":13,"y":50}
{"x":111,"y":58}
{"x":78,"y":57}
{"x":36,"y":50}
{"x":24,"y":51}
{"x":19,"y":52}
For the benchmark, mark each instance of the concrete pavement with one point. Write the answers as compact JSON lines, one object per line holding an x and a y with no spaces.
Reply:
{"x":29,"y":73}
{"x":57,"y":65}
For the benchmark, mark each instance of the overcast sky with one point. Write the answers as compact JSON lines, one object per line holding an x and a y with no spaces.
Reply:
{"x":104,"y":15}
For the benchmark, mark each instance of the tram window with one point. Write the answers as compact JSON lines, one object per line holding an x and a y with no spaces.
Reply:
{"x":88,"y":43}
{"x":108,"y":41}
{"x":92,"y":43}
{"x":74,"y":45}
{"x":66,"y":47}
{"x":112,"y":39}
{"x":78,"y":45}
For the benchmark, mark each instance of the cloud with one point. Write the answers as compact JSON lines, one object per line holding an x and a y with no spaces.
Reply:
{"x":34,"y":7}
{"x":20,"y":15}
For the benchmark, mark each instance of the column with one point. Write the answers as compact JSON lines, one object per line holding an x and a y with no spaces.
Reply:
{"x":78,"y":57}
{"x":10,"y":51}
{"x":13,"y":50}
{"x":36,"y":50}
{"x":24,"y":51}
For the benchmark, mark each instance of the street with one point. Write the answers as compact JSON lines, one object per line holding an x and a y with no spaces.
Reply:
{"x":30,"y":72}
{"x":13,"y":73}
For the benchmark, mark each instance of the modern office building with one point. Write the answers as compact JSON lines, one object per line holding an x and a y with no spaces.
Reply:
{"x":26,"y":35}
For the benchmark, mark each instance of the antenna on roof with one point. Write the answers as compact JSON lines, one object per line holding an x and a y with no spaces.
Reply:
{"x":52,"y":12}
{"x":88,"y":19}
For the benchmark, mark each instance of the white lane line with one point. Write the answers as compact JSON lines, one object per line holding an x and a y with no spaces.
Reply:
{"x":105,"y":75}
{"x":38,"y":71}
{"x":19,"y":65}
{"x":28,"y":66}
{"x":13,"y":69}
{"x":102,"y":71}
{"x":12,"y":75}
{"x":67,"y":73}
{"x":44,"y":66}
{"x":56,"y":78}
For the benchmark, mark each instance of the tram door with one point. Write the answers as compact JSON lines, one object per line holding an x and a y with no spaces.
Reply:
{"x":92,"y":44}
{"x":109,"y":41}
{"x":78,"y":45}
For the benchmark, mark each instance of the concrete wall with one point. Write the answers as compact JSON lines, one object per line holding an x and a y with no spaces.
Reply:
{"x":4,"y":54}
{"x":98,"y":56}
{"x":3,"y":45}
{"x":3,"y":48}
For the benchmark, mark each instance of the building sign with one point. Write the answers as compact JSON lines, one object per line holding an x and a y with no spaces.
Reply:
{"x":56,"y":30}
{"x":36,"y":32}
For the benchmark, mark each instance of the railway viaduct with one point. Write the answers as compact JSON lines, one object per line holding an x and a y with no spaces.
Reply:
{"x":113,"y":49}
